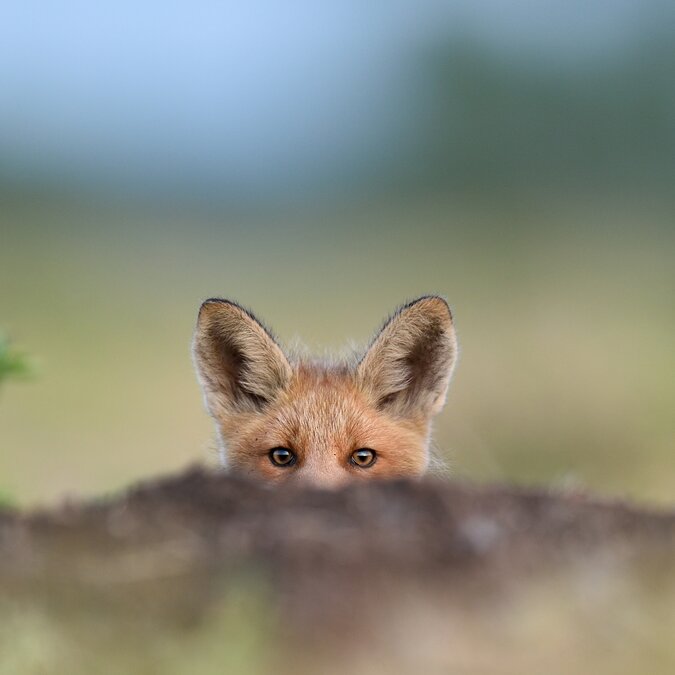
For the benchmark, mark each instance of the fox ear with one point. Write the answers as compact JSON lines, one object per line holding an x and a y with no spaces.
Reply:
{"x":408,"y":366}
{"x":239,"y":365}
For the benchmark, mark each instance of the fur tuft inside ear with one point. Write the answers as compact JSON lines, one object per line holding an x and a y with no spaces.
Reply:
{"x":239,"y":364}
{"x":408,"y":366}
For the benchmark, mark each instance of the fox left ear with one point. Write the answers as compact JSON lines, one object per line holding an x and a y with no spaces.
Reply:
{"x":408,"y":366}
{"x":240,"y":366}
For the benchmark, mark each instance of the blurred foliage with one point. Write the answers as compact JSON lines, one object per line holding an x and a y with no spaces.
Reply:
{"x":490,"y":119}
{"x":6,"y":499}
{"x":14,"y":364}
{"x":466,"y":115}
{"x":54,"y":637}
{"x":588,"y":620}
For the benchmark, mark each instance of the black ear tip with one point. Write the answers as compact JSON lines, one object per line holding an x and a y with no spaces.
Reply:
{"x":211,"y":304}
{"x":431,"y":302}
{"x":217,"y":301}
{"x":218,"y":308}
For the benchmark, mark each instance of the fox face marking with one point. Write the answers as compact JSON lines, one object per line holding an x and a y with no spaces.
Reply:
{"x":281,"y":418}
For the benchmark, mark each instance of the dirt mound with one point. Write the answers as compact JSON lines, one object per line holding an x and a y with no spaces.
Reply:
{"x":413,"y":572}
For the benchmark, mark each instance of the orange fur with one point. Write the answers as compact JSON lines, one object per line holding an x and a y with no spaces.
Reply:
{"x":261,"y":399}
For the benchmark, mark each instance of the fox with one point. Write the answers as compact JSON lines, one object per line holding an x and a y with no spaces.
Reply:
{"x":285,"y":417}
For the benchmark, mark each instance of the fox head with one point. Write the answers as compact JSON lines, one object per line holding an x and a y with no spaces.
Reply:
{"x":281,"y":418}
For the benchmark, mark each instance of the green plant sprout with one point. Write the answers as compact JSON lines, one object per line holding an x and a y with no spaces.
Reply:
{"x":14,"y":364}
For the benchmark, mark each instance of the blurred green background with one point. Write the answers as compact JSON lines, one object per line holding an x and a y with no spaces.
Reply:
{"x":321,"y":165}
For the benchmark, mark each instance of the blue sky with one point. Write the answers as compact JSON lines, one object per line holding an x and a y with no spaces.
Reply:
{"x":259,"y":93}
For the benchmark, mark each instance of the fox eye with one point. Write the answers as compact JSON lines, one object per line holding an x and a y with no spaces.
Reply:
{"x":363,"y":458}
{"x":282,"y":457}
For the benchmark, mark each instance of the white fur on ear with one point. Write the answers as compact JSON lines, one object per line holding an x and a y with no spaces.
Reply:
{"x":408,"y":366}
{"x":239,"y":364}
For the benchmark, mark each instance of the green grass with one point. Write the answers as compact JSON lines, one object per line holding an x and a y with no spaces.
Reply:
{"x":563,"y":309}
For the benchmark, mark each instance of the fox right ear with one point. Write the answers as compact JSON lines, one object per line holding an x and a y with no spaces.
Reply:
{"x":408,"y":366}
{"x":240,"y":366}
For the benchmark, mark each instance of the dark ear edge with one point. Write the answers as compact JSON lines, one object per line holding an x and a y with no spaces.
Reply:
{"x":408,"y":365}
{"x":239,"y":363}
{"x":400,"y":310}
{"x":224,"y":301}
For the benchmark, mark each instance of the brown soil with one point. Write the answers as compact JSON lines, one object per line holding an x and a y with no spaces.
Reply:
{"x":172,"y":549}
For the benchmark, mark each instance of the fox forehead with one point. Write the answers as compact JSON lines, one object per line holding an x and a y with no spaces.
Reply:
{"x":323,"y":409}
{"x":320,"y":403}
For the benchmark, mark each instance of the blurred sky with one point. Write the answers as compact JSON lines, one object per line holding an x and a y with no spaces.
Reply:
{"x":245,"y":97}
